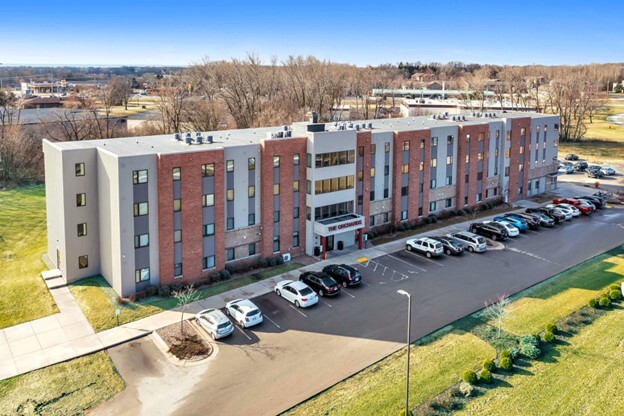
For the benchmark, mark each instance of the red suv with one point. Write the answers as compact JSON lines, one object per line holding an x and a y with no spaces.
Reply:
{"x":583,"y":206}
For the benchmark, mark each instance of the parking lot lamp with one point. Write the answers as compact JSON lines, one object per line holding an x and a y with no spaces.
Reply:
{"x":407,"y":368}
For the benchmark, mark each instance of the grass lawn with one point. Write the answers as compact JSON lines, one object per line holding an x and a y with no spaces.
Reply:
{"x":380,"y":388}
{"x":564,"y":293}
{"x":68,"y":388}
{"x":23,"y":240}
{"x":99,"y":301}
{"x":583,"y":377}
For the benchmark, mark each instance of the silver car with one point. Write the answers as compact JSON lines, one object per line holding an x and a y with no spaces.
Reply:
{"x":215,"y":323}
{"x":473,"y":242}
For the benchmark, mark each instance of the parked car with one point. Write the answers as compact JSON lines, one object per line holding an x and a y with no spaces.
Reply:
{"x":580,"y":166}
{"x":473,"y":242}
{"x":607,"y":171}
{"x":544,"y":220}
{"x":519,"y":223}
{"x":571,"y":156}
{"x":244,"y":312}
{"x":321,"y":283}
{"x":425,"y":245}
{"x":344,"y":274}
{"x":531,"y":220}
{"x":450,"y":245}
{"x":566,"y":169}
{"x":585,"y":207}
{"x":557,"y":217}
{"x":597,"y":201}
{"x":505,"y":225}
{"x":596,"y":173}
{"x":296,"y":292}
{"x":565,"y":210}
{"x":575,"y":211}
{"x":215,"y":323}
{"x":489,"y":230}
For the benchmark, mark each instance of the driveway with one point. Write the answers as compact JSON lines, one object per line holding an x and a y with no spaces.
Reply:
{"x":295,"y":353}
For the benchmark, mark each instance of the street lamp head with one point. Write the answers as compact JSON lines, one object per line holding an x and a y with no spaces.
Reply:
{"x":402,"y":292}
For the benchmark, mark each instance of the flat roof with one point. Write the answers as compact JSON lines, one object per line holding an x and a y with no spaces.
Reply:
{"x":166,"y":143}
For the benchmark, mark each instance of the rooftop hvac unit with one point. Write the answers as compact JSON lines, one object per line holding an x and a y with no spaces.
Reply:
{"x":177,"y":136}
{"x":453,"y":118}
{"x":286,"y":257}
{"x":370,"y":125}
{"x":199,"y":139}
{"x":464,"y":118}
{"x":350,"y":126}
{"x":357,"y":127}
{"x":209,"y":139}
{"x":269,"y":135}
{"x":363,"y":125}
{"x":188,"y":139}
{"x":446,"y":114}
{"x":288,"y":133}
{"x":285,"y":128}
{"x":280,"y":134}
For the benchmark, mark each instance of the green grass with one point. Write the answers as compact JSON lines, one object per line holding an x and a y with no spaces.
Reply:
{"x":23,"y":240}
{"x":380,"y":388}
{"x":68,"y":388}
{"x":98,"y":300}
{"x":564,"y":293}
{"x":581,"y":377}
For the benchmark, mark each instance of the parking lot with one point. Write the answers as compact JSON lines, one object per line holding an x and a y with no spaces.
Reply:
{"x":296,"y":353}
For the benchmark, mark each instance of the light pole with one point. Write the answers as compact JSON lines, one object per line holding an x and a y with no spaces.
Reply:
{"x":409,"y":325}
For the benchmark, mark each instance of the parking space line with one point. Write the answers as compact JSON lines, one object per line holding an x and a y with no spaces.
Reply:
{"x":273,"y":322}
{"x":534,"y":232}
{"x":407,"y":262}
{"x":297,"y":310}
{"x":433,"y":261}
{"x":522,"y":235}
{"x":364,"y":283}
{"x":326,"y":303}
{"x":347,"y":293}
{"x":469,"y":253}
{"x":242,"y":332}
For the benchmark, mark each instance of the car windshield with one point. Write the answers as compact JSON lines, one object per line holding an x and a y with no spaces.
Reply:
{"x":253,"y":312}
{"x":305,"y":291}
{"x":224,"y":325}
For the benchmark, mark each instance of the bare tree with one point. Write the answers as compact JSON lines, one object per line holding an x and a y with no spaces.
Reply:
{"x":183,"y":297}
{"x":498,"y":311}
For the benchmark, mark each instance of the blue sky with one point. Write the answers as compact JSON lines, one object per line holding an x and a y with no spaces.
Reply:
{"x":180,"y":32}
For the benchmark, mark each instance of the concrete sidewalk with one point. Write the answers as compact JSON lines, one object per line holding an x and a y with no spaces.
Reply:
{"x":67,"y":335}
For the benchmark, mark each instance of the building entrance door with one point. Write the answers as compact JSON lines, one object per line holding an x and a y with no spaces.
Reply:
{"x":330,"y":243}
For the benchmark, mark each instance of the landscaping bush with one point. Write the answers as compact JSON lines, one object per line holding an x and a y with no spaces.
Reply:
{"x":262,"y":263}
{"x":530,"y":351}
{"x":428,"y":220}
{"x":272,"y":261}
{"x":549,"y":337}
{"x":592,"y":303}
{"x":175,"y":288}
{"x":604,"y":301}
{"x":489,"y":365}
{"x":434,"y":218}
{"x":122,"y":301}
{"x":614,"y":286}
{"x":229,"y":269}
{"x":131,"y":298}
{"x":151,"y":290}
{"x":514,"y":352}
{"x":529,"y":340}
{"x":485,"y":376}
{"x":615,"y":294}
{"x":215,"y":277}
{"x":466,"y":389}
{"x":279,"y":260}
{"x":505,"y":364}
{"x":505,"y":354}
{"x":550,"y":327}
{"x":470,"y":377}
{"x":224,"y":274}
{"x":164,"y":291}
{"x":463,"y":212}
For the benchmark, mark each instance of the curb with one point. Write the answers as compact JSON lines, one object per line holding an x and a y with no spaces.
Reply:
{"x":164,"y":349}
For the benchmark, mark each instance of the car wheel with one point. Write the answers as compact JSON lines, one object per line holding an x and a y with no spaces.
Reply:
{"x":448,"y":251}
{"x":409,"y":248}
{"x":321,"y":293}
{"x":277,"y":292}
{"x":241,"y":324}
{"x":428,"y":255}
{"x":227,"y":311}
{"x":494,"y":237}
{"x":297,"y":304}
{"x":471,"y":249}
{"x":212,"y":335}
{"x":344,"y":284}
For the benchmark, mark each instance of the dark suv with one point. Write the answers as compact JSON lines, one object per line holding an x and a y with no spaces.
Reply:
{"x":549,"y":212}
{"x":343,"y":274}
{"x":580,"y":166}
{"x":491,"y":230}
{"x":595,"y":200}
{"x":321,"y":283}
{"x":450,"y":245}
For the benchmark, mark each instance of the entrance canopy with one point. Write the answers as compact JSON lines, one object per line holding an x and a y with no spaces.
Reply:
{"x":337,"y":225}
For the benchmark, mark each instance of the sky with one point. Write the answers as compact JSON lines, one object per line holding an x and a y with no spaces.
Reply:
{"x":181,"y":32}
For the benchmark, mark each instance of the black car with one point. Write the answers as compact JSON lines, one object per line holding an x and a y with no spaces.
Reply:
{"x":532,"y":222}
{"x":595,"y":173}
{"x":595,"y":200}
{"x":549,"y":212}
{"x":450,"y":245}
{"x":343,"y":274}
{"x":321,"y":283}
{"x":544,"y":220}
{"x":571,"y":156}
{"x":580,"y":166}
{"x":491,"y":230}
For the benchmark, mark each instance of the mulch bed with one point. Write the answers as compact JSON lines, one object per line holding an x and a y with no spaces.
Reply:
{"x":191,"y":346}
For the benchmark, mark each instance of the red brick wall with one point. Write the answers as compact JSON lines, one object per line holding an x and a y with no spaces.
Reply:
{"x":516,"y":125}
{"x":285,"y":149}
{"x":472,"y":149}
{"x":364,"y":139}
{"x":192,"y":239}
{"x":413,"y":178}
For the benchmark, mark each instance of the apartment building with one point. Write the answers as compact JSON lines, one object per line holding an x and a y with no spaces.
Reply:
{"x":176,"y":208}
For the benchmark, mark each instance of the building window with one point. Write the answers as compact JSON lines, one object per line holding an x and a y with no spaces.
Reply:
{"x":308,"y":187}
{"x":177,"y":174}
{"x":208,"y":169}
{"x":537,"y":184}
{"x":276,"y":244}
{"x":467,"y":138}
{"x":177,"y":236}
{"x":386,"y":170}
{"x":449,"y":180}
{"x":140,"y":209}
{"x":434,"y":163}
{"x":372,"y":195}
{"x":209,"y":262}
{"x":449,"y":160}
{"x":386,"y":193}
{"x":230,"y":223}
{"x":230,"y":194}
{"x":386,"y":217}
{"x":361,"y":151}
{"x":360,"y":175}
{"x":449,"y":139}
{"x":420,"y":211}
{"x":479,"y":197}
{"x":251,"y":163}
{"x":405,"y":168}
{"x":177,"y":270}
{"x":81,"y":200}
{"x":507,"y":152}
{"x":296,"y":159}
{"x":82,"y":229}
{"x":497,"y":134}
{"x":360,"y":200}
{"x":521,"y":150}
{"x":229,"y":166}
{"x":433,"y":184}
{"x":371,"y":221}
{"x":209,"y":229}
{"x":373,"y":148}
{"x":295,"y":186}
{"x":80,"y":169}
{"x":481,"y":137}
{"x":496,"y":152}
{"x":251,"y":191}
{"x":422,"y":143}
{"x":479,"y":176}
{"x":387,"y":147}
{"x":177,"y":205}
{"x":251,"y":249}
{"x":467,"y":158}
{"x":139,"y":176}
{"x":295,"y":212}
{"x":465,"y":200}
{"x":276,"y":189}
{"x":83,"y":262}
{"x":480,"y":156}
{"x":276,"y":216}
{"x":432,"y":206}
{"x":507,"y":171}
{"x":404,"y":190}
{"x":309,"y":160}
{"x":448,"y":203}
{"x":251,"y":219}
{"x":467,"y":178}
{"x":434,"y":141}
{"x":406,"y":145}
{"x":296,"y":239}
{"x":422,"y":166}
{"x":142,"y":275}
{"x":276,"y":161}
{"x":420,"y":187}
{"x":141,"y":240}
{"x":372,"y":173}
{"x":208,"y":200}
{"x":521,"y":166}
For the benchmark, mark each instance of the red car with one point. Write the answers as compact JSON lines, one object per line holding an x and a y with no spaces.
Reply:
{"x":582,"y":206}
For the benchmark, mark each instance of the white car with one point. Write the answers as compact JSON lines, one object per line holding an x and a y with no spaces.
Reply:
{"x":215,"y":323}
{"x":244,"y":312}
{"x":296,"y":292}
{"x":607,"y":171}
{"x":575,"y":211}
{"x":425,"y":245}
{"x":561,"y":210}
{"x":511,"y":229}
